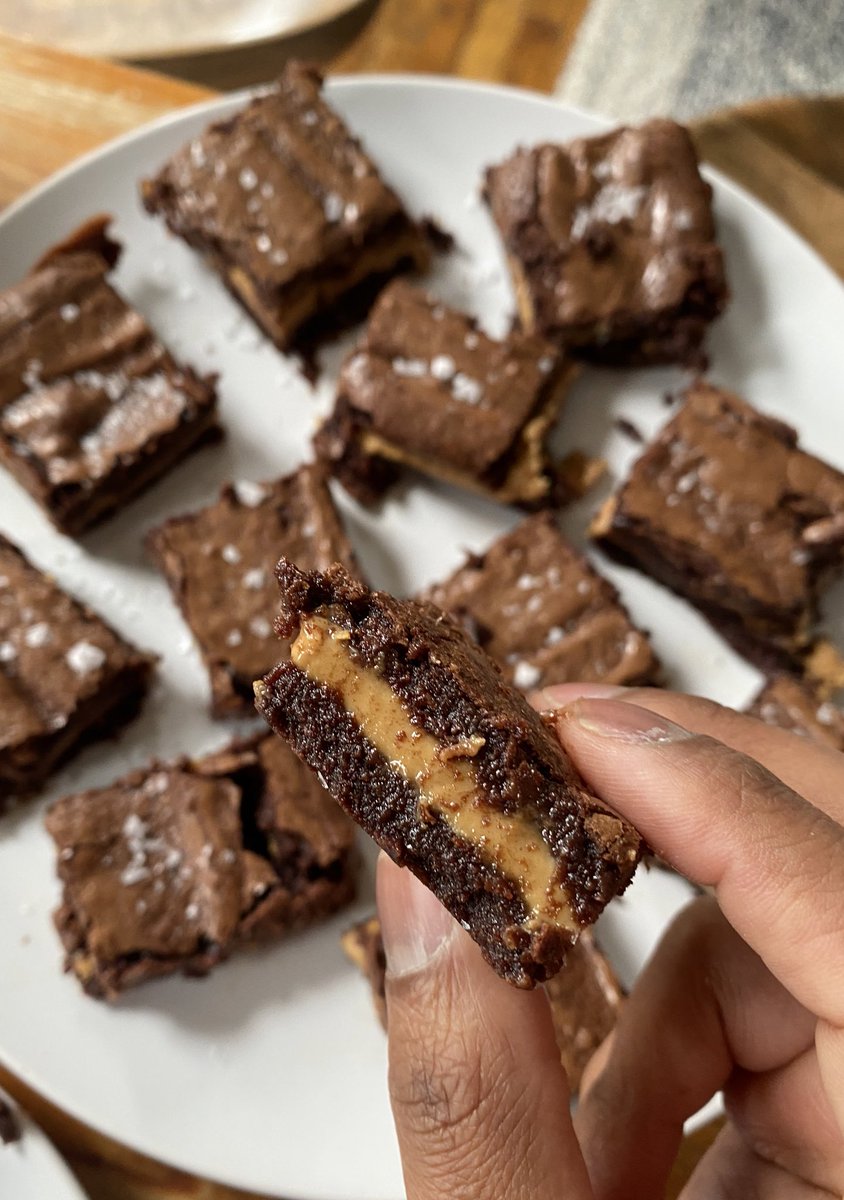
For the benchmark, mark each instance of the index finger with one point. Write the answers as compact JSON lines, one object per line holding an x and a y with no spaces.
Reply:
{"x":776,"y":862}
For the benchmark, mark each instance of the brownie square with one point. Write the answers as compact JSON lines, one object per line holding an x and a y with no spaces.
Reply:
{"x":544,"y":613}
{"x":93,"y":408}
{"x":220,"y":561}
{"x":165,"y":870}
{"x":66,"y":677}
{"x":798,"y":706}
{"x":585,"y":997}
{"x":611,"y":243}
{"x":284,"y":204}
{"x":426,"y":388}
{"x":412,"y":729}
{"x":726,"y":509}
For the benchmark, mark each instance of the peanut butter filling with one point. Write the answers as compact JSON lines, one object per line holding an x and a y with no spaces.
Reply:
{"x":443,"y":775}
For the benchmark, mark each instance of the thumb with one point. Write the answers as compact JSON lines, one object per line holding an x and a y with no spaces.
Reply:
{"x":479,"y":1097}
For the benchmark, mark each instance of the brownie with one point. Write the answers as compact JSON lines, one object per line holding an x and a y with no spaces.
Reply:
{"x":611,"y":243}
{"x":412,"y":729}
{"x":544,"y":614}
{"x":219,"y":563}
{"x":726,"y":509}
{"x":585,"y":997}
{"x":284,"y":204}
{"x":66,"y":677}
{"x":168,"y":868}
{"x":93,"y":408}
{"x":426,"y":388}
{"x":798,"y":706}
{"x":10,"y":1130}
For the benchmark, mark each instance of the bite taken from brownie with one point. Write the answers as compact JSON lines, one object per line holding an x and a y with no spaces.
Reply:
{"x":285,"y":205}
{"x":427,"y":389}
{"x":542,"y":611}
{"x":93,"y":408}
{"x":66,"y":677}
{"x":611,"y":243}
{"x":726,"y":509}
{"x":172,"y":867}
{"x":412,"y":729}
{"x":219,"y":563}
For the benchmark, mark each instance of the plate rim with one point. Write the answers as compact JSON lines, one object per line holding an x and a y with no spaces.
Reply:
{"x":45,"y":1148}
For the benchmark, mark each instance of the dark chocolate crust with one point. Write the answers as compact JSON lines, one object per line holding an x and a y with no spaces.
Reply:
{"x":172,"y":867}
{"x":541,"y":610}
{"x":66,"y":677}
{"x":452,"y":690}
{"x":611,"y":242}
{"x":93,"y":408}
{"x":427,"y":389}
{"x":751,"y":549}
{"x":219,"y":563}
{"x":288,"y":209}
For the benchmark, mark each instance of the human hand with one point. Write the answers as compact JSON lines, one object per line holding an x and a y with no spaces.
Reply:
{"x":745,"y":993}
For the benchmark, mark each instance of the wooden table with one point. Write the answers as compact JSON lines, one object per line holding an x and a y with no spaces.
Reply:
{"x":54,"y":107}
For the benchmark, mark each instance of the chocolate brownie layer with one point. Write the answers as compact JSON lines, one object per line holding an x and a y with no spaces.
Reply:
{"x":219,"y":563}
{"x":286,"y":206}
{"x":414,"y":732}
{"x":427,"y":389}
{"x":585,"y":997}
{"x":611,"y":243}
{"x":167,"y":869}
{"x":66,"y":677}
{"x":795,"y":705}
{"x":93,"y":408}
{"x":544,"y":614}
{"x":725,"y":509}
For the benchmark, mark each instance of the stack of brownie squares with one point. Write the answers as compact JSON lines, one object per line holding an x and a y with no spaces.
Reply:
{"x":408,"y":717}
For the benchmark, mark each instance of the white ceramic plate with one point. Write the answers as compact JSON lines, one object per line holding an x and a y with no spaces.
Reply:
{"x":269,"y":1075}
{"x":162,"y":29}
{"x":31,"y":1168}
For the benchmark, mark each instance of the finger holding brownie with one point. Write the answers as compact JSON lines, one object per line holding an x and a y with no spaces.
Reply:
{"x":743,"y":995}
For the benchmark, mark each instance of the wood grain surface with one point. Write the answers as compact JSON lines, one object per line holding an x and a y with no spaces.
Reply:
{"x":54,"y":107}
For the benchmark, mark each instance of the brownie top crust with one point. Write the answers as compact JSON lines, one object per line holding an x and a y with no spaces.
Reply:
{"x":55,"y":654}
{"x":452,"y":694}
{"x":540,"y":610}
{"x":281,"y":189}
{"x":732,"y":489}
{"x":220,"y":563}
{"x":794,"y":705}
{"x":617,"y":223}
{"x":85,"y":385}
{"x":428,"y":380}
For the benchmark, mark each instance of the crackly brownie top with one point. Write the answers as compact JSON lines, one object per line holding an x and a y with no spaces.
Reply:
{"x":220,"y":561}
{"x":539,"y":609}
{"x":85,"y":384}
{"x":155,"y":863}
{"x":792,"y":704}
{"x":616,"y":223}
{"x":296,"y":806}
{"x":281,"y":189}
{"x":55,"y":654}
{"x":452,"y":690}
{"x":729,"y":487}
{"x":430,"y":381}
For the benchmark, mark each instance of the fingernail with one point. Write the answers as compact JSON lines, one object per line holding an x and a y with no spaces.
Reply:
{"x":414,"y":925}
{"x":566,"y":693}
{"x":624,"y":722}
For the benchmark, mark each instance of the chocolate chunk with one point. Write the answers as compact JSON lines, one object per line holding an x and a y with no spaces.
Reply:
{"x":611,"y":243}
{"x":66,"y":677}
{"x":220,"y":561}
{"x":722,"y":508}
{"x":290,"y":211}
{"x":415,"y":733}
{"x":93,"y":408}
